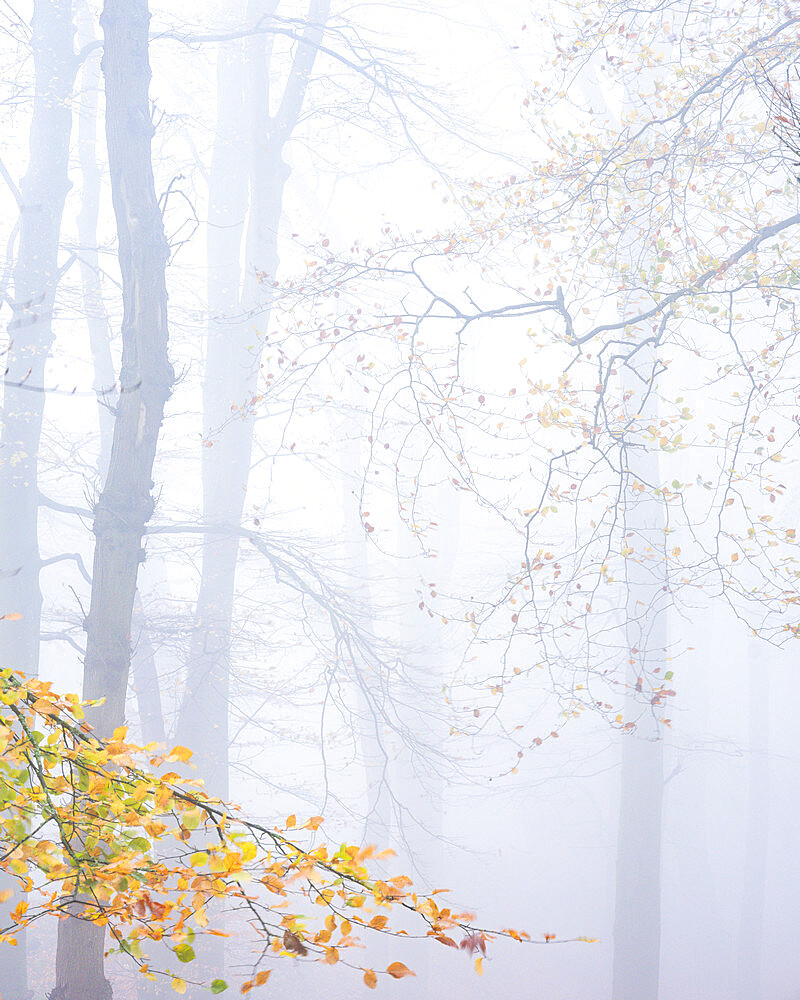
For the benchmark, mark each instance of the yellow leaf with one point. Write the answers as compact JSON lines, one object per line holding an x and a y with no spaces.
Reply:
{"x":249,"y":850}
{"x":479,"y":966}
{"x":198,"y":859}
{"x":178,"y":985}
{"x":370,"y":979}
{"x":331,"y":956}
{"x":291,"y":821}
{"x":6,"y":894}
{"x":398,"y":971}
{"x":191,"y":819}
{"x":182,"y":754}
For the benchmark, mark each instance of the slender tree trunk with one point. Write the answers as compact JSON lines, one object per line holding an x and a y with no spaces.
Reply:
{"x":751,"y":922}
{"x":93,"y":304}
{"x":203,"y":720}
{"x":126,"y":503}
{"x":637,"y":913}
{"x":239,"y":305}
{"x":42,"y":194}
{"x":41,"y":198}
{"x":145,"y":678}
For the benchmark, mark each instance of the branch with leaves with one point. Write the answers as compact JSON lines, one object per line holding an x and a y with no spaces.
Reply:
{"x":79,"y":819}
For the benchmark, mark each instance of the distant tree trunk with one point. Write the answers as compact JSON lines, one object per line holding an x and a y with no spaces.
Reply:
{"x":241,"y":186}
{"x":203,"y":720}
{"x":126,"y":503}
{"x":145,"y":678}
{"x":41,"y":198}
{"x":637,"y":908}
{"x":42,"y":194}
{"x":751,"y":921}
{"x":239,"y":306}
{"x":637,"y":912}
{"x":93,"y":304}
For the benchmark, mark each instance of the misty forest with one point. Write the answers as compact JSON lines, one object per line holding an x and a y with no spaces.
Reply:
{"x":399,"y":497}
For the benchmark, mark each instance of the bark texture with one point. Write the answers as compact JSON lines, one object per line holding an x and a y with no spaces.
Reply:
{"x":126,"y":503}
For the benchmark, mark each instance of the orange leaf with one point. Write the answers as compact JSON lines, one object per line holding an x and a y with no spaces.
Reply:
{"x":398,"y":971}
{"x":313,"y":823}
{"x":370,"y":978}
{"x":378,"y":922}
{"x":331,"y":956}
{"x":261,"y":978}
{"x":12,"y":616}
{"x":291,"y":821}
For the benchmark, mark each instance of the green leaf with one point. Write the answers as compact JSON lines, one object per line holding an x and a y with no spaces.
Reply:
{"x":219,"y":986}
{"x":185,"y":952}
{"x":669,"y":675}
{"x":140,"y":844}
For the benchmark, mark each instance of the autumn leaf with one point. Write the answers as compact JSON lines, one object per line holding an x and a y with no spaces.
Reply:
{"x":184,"y":953}
{"x":370,"y":979}
{"x":398,"y":971}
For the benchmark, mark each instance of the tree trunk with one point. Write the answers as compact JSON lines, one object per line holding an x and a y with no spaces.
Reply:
{"x":637,"y":913}
{"x":239,"y":306}
{"x":42,"y":193}
{"x":93,"y":304}
{"x":751,"y":920}
{"x":126,"y":503}
{"x":203,"y":720}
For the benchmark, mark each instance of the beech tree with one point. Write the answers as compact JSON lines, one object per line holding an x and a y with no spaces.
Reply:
{"x":125,"y":504}
{"x":78,"y":819}
{"x":652,"y":254}
{"x":35,"y":279}
{"x":641,"y":277}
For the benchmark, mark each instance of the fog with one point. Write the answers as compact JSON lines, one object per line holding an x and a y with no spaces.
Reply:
{"x":400,"y":413}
